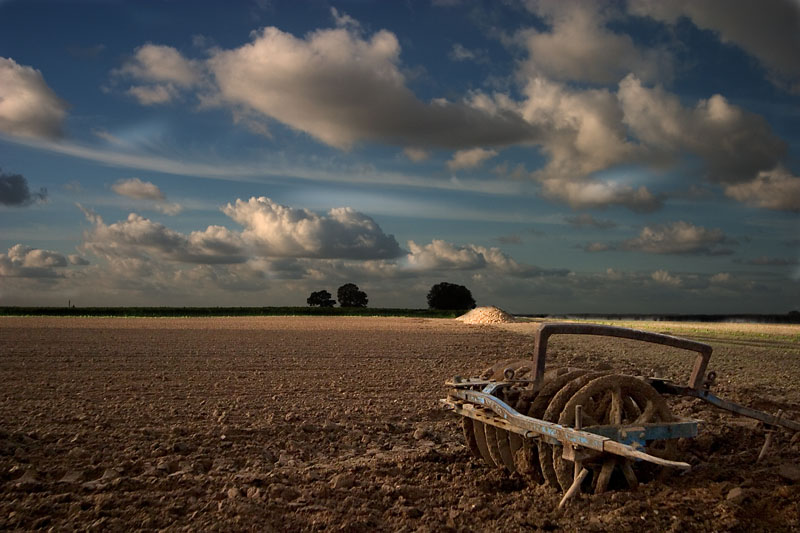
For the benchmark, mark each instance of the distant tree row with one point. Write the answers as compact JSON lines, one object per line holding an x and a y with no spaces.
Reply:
{"x":443,"y":296}
{"x":349,"y":296}
{"x":320,"y":299}
{"x":449,"y":296}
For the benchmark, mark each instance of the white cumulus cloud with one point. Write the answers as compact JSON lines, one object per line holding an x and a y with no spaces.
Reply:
{"x":775,"y":189}
{"x":28,"y":106}
{"x":734,"y":144}
{"x":584,"y":129}
{"x":136,"y":188}
{"x":580,"y":47}
{"x":665,"y":278}
{"x":678,"y":238}
{"x":144,"y":190}
{"x":281,"y":231}
{"x":161,"y":64}
{"x":341,"y":88}
{"x":25,"y":262}
{"x":138,"y":238}
{"x":164,"y":70}
{"x":440,"y":255}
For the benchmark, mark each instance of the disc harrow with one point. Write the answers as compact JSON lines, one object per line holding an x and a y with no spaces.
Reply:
{"x":576,"y":429}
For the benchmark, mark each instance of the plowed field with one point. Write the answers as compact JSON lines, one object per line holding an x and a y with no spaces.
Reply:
{"x":296,"y":424}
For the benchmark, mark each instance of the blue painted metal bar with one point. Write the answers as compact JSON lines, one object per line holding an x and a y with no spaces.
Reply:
{"x":536,"y":427}
{"x":683,"y":428}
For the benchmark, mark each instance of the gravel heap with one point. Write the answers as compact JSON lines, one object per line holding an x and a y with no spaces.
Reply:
{"x":486,"y":315}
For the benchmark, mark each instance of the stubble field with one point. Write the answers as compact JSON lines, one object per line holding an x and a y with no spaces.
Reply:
{"x":312,"y":423}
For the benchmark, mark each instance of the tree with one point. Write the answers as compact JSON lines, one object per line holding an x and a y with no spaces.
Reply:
{"x":350,"y":296}
{"x":320,"y":298}
{"x":450,"y":296}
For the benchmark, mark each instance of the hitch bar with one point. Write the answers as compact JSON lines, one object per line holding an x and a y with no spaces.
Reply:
{"x":666,"y":387}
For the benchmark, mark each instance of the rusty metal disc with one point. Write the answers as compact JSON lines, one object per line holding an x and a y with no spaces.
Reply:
{"x":479,"y":429}
{"x":501,"y":442}
{"x":469,"y":437}
{"x":570,"y":383}
{"x":612,"y":400}
{"x":524,"y":451}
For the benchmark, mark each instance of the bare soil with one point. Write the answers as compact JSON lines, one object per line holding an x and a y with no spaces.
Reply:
{"x":320,"y":423}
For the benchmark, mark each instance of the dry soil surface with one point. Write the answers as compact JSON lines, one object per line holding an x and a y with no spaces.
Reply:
{"x":296,"y":424}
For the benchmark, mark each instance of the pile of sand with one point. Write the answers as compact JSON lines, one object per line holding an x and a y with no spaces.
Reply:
{"x":486,"y":315}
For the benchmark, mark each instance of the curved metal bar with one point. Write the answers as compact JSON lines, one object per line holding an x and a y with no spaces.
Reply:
{"x":772,"y":420}
{"x":546,"y":330}
{"x":511,"y":420}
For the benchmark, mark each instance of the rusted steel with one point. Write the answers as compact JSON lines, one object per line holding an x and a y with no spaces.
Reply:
{"x":598,"y":421}
{"x":547,"y":330}
{"x":512,"y":421}
{"x":573,"y":489}
{"x":665,"y":387}
{"x":681,"y":428}
{"x":768,"y":440}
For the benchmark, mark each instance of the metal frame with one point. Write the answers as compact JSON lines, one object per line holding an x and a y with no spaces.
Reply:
{"x":547,"y":330}
{"x":474,"y":398}
{"x":484,"y":407}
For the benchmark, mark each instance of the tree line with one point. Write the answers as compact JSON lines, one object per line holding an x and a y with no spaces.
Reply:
{"x":442,"y":296}
{"x":349,"y":295}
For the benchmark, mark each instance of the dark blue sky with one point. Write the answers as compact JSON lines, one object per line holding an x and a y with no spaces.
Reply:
{"x":553,"y":156}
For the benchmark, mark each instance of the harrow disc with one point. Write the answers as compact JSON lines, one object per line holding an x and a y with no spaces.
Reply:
{"x":497,"y":447}
{"x":525,"y":452}
{"x":611,"y":400}
{"x":549,"y":409}
{"x":487,"y":442}
{"x":502,"y":438}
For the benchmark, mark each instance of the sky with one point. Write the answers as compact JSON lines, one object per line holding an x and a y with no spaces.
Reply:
{"x":635,"y":156}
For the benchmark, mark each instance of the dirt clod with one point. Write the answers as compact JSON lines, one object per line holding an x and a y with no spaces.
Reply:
{"x":342,"y":481}
{"x":790,"y":472}
{"x":735,"y":495}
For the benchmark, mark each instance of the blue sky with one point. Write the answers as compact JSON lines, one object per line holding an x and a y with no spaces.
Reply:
{"x":553,"y":156}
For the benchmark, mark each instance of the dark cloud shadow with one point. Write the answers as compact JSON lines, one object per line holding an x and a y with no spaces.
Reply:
{"x":14,"y":191}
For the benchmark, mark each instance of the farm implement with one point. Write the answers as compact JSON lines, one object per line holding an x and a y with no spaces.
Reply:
{"x":577,"y":429}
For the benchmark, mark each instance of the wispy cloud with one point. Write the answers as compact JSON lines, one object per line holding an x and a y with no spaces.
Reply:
{"x":588,"y":221}
{"x":191,"y":165}
{"x":681,"y":238}
{"x":459,"y":52}
{"x":471,"y":158}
